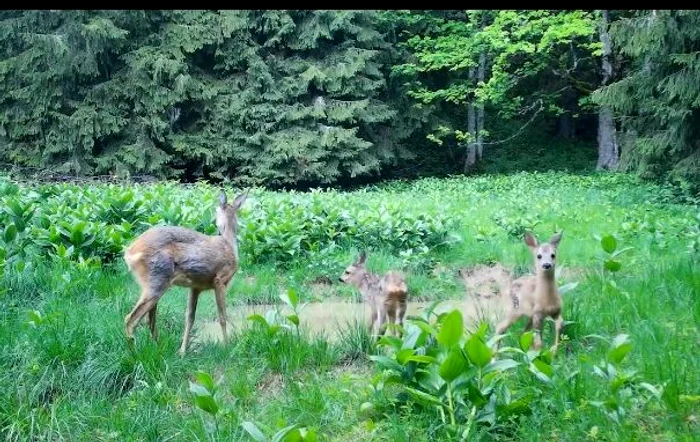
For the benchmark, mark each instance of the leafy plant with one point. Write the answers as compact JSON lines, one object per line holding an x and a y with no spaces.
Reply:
{"x":609,"y":245}
{"x":463,"y":377}
{"x":291,"y":433}
{"x":624,"y":389}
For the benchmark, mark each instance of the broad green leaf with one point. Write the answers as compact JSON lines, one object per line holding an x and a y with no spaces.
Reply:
{"x":451,"y":329}
{"x":254,"y":431}
{"x":568,"y":287}
{"x":290,"y":298}
{"x":207,"y":403}
{"x":454,"y":365}
{"x":10,"y":233}
{"x":526,"y":340}
{"x":621,"y":346}
{"x":422,"y":397}
{"x":609,"y":243}
{"x":386,"y":362}
{"x":403,"y":355}
{"x":294,"y":319}
{"x":612,"y":265}
{"x":287,"y":434}
{"x":206,"y":380}
{"x":477,"y":350}
{"x":501,"y":365}
{"x":421,"y":359}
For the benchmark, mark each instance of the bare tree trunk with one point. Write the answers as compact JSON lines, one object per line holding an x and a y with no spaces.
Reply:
{"x":608,"y":149}
{"x":470,"y":159}
{"x":480,"y":77}
{"x":567,"y":124}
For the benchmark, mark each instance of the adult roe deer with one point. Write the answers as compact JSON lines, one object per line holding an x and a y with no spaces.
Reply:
{"x":169,"y":255}
{"x":387,"y":296}
{"x":537,"y":296}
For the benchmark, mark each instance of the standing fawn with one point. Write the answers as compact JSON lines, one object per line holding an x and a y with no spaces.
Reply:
{"x":387,"y":296}
{"x":165,"y":256}
{"x":537,"y":297}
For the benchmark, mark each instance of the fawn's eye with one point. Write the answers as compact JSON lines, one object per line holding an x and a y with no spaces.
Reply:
{"x":539,"y":256}
{"x":552,"y":255}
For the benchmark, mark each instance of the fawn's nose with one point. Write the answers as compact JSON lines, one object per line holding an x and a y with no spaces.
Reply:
{"x":340,"y":278}
{"x":547,"y":265}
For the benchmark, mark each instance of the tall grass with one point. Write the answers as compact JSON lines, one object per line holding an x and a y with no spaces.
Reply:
{"x":67,"y":373}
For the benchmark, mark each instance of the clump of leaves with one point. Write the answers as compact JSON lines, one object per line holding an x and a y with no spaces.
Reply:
{"x":462,"y":377}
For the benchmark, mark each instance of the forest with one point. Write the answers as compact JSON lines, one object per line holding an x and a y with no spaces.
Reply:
{"x":520,"y":188}
{"x":308,"y":98}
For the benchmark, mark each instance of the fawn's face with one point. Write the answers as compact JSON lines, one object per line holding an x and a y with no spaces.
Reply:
{"x":545,"y":254}
{"x":226,"y":214}
{"x":354,"y":273}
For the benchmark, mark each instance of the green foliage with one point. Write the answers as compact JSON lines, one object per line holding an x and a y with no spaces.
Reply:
{"x":656,"y":100}
{"x":93,"y":224}
{"x":437,"y":367}
{"x":274,"y":97}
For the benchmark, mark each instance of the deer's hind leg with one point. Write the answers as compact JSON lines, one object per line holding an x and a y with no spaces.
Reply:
{"x":154,"y":282}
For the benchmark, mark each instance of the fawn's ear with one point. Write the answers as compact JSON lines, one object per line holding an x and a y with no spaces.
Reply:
{"x":240,"y":199}
{"x":222,"y":199}
{"x":362,"y":258}
{"x":531,"y":240}
{"x":555,"y":239}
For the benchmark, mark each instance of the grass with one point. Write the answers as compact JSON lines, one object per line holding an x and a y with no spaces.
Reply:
{"x":67,"y":373}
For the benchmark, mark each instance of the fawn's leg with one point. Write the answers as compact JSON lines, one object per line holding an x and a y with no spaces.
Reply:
{"x":537,"y":320}
{"x":391,"y":316}
{"x":512,"y":317}
{"x":558,"y":324}
{"x":152,"y":313}
{"x":189,"y":318}
{"x":220,"y":291}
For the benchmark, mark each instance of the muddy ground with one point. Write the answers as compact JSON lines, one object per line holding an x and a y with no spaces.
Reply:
{"x":486,"y":298}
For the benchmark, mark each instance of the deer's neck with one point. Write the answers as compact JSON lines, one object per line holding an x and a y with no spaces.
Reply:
{"x":369,"y":283}
{"x":546,"y":284}
{"x":230,"y":237}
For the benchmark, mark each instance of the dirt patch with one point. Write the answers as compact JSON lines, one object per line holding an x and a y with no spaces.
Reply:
{"x":486,"y":281}
{"x":485,"y":299}
{"x":270,"y":385}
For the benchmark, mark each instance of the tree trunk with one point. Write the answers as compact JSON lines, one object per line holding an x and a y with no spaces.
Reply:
{"x":608,"y":150}
{"x":480,"y":77}
{"x":471,"y":128}
{"x":567,"y":124}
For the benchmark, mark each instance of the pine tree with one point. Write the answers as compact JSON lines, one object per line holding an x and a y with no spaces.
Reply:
{"x":658,"y":97}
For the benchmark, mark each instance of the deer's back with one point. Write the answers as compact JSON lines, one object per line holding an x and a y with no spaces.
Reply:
{"x":394,"y":286}
{"x":187,"y":257}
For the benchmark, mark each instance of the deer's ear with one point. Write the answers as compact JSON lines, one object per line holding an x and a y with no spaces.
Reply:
{"x":222,"y":198}
{"x":362,"y":258}
{"x":555,"y":239}
{"x":531,"y":240}
{"x":240,"y":199}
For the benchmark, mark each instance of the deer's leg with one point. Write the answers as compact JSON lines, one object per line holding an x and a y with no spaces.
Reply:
{"x":512,"y":317}
{"x":402,"y":312}
{"x":537,"y":320}
{"x":390,"y":308}
{"x":147,"y":301}
{"x":220,"y":291}
{"x":152,"y":313}
{"x":558,"y":324}
{"x":189,"y":318}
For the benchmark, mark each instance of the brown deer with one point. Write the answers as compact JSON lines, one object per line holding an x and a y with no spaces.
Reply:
{"x":536,"y":296}
{"x":387,"y":296}
{"x":169,"y":255}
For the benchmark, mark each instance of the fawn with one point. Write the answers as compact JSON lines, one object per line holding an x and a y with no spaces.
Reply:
{"x":537,"y":297}
{"x":387,"y":296}
{"x":169,"y":255}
